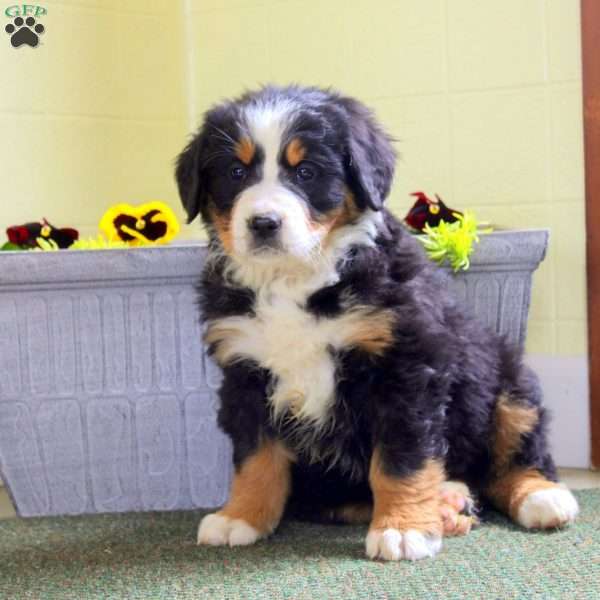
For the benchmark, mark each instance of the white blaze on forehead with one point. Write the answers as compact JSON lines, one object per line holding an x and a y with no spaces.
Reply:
{"x":267,"y":124}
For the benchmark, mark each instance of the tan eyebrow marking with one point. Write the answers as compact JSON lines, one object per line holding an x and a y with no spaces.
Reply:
{"x":295,"y":152}
{"x":245,"y":150}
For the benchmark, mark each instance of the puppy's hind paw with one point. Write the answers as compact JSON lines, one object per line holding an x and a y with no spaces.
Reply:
{"x":458,"y":510}
{"x":547,"y":509}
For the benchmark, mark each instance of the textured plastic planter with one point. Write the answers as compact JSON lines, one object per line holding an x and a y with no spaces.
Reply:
{"x":107,"y":399}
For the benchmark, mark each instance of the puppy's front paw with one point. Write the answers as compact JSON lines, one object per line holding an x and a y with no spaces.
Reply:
{"x":546,"y":509}
{"x":392,"y":544}
{"x":218,"y":530}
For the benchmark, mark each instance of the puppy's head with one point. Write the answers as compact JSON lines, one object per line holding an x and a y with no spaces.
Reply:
{"x":274,"y":173}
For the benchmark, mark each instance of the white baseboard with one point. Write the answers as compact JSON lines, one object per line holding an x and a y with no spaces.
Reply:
{"x":565,"y":384}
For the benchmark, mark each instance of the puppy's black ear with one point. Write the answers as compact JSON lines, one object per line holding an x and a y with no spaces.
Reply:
{"x":371,"y":158}
{"x":188,"y":173}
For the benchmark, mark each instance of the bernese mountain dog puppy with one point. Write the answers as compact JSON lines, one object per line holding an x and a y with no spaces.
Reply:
{"x":355,"y":386}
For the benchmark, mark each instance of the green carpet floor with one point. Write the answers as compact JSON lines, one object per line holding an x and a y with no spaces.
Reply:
{"x":154,"y":557}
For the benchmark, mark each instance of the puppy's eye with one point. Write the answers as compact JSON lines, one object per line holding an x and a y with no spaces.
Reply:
{"x":304,"y":172}
{"x":238,"y":172}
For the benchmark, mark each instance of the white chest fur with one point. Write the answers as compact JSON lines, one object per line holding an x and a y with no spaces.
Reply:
{"x":289,"y":341}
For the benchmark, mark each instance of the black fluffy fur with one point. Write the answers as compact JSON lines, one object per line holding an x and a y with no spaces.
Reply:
{"x":433,"y":392}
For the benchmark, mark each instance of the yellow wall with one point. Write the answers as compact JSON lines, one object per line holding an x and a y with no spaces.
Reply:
{"x":94,"y":115}
{"x":484,"y":96}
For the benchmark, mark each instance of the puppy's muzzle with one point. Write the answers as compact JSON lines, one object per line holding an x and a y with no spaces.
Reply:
{"x":265,"y":229}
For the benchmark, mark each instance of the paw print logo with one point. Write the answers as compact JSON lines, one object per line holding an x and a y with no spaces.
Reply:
{"x":24,"y":31}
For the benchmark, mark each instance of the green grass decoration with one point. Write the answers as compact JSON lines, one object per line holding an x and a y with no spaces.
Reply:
{"x":452,"y":242}
{"x":97,"y":243}
{"x":46,"y":245}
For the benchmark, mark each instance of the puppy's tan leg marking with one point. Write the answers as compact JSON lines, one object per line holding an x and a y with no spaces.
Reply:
{"x":406,"y":519}
{"x":524,"y":493}
{"x":512,"y":420}
{"x":532,"y":500}
{"x":259,"y":492}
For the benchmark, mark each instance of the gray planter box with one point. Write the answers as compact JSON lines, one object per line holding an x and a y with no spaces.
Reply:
{"x":107,"y":398}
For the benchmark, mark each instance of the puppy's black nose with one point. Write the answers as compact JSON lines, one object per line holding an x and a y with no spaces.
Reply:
{"x":265,"y":225}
